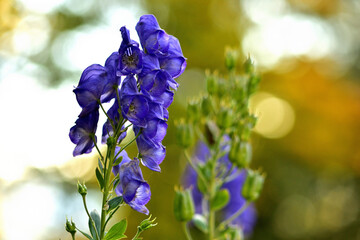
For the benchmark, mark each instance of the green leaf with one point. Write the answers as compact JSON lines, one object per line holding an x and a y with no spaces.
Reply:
{"x":118,"y":161}
{"x":85,"y":234}
{"x":96,"y":218}
{"x":117,"y":231}
{"x":117,"y":181}
{"x":220,"y":200}
{"x":116,"y":201}
{"x":200,"y":223}
{"x":99,"y":178}
{"x":100,"y":166}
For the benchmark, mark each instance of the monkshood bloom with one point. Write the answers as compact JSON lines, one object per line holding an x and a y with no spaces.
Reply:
{"x":134,"y":189}
{"x":140,"y":82}
{"x":247,"y":219}
{"x":130,"y":55}
{"x":83,"y":133}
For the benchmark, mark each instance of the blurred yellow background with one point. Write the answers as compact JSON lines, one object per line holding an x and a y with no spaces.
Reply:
{"x":306,"y":140}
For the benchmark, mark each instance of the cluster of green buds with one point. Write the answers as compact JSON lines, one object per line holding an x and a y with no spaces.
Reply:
{"x":221,"y":120}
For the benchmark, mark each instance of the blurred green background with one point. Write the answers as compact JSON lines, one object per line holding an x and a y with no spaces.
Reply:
{"x":306,"y":140}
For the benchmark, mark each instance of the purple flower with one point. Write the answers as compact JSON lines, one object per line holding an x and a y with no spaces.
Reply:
{"x":174,"y":62}
{"x":113,"y":83}
{"x":247,"y":219}
{"x":153,"y":39}
{"x":90,"y":89}
{"x":130,"y":55}
{"x":151,"y":154}
{"x":134,"y":189}
{"x":83,"y":133}
{"x":108,"y":130}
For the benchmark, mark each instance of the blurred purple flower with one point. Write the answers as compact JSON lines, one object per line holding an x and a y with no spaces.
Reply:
{"x":247,"y":219}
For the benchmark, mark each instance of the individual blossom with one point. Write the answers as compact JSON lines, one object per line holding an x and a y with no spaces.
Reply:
{"x":83,"y":133}
{"x":153,"y":39}
{"x":130,"y":55}
{"x":114,"y":115}
{"x":166,"y":48}
{"x":246,"y":220}
{"x":97,"y":85}
{"x":151,"y":154}
{"x":132,"y":186}
{"x":174,"y":62}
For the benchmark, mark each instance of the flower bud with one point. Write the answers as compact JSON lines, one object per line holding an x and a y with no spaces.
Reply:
{"x":70,"y":227}
{"x":193,"y":111}
{"x":249,"y":66}
{"x":230,"y":58}
{"x":206,"y":106}
{"x":224,"y":119}
{"x":184,"y":134}
{"x":110,"y":141}
{"x":240,"y":153}
{"x":211,"y":84}
{"x":253,"y":185}
{"x":146,"y":224}
{"x":82,"y":189}
{"x":184,"y":208}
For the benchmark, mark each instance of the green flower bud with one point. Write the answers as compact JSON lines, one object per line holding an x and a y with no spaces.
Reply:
{"x":184,"y":134}
{"x":225,"y":118}
{"x":184,"y":209}
{"x":221,"y":88}
{"x":82,"y":189}
{"x":253,"y":185}
{"x":249,"y":66}
{"x":230,"y":58}
{"x":110,"y":141}
{"x":211,"y":84}
{"x":254,"y":81}
{"x":146,"y":224}
{"x":240,"y":153}
{"x":206,"y":106}
{"x":193,"y":111}
{"x":70,"y":227}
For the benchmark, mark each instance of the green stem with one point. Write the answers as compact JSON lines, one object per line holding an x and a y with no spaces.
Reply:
{"x":73,"y":236}
{"x":138,"y":232}
{"x":107,"y":173}
{"x":199,"y":173}
{"x":186,"y":230}
{"x":110,"y":120}
{"x":128,"y":144}
{"x":235,"y":215}
{"x":97,"y":148}
{"x":111,"y":214}
{"x":212,"y":187}
{"x":87,"y":212}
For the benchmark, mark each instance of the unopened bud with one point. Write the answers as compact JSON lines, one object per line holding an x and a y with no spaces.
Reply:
{"x":184,"y":209}
{"x":70,"y":226}
{"x":184,"y":134}
{"x":253,"y":185}
{"x":240,"y":153}
{"x":82,"y":189}
{"x":231,"y":56}
{"x":211,"y":84}
{"x":110,"y":141}
{"x":146,"y":224}
{"x":249,"y":66}
{"x":206,"y":106}
{"x":193,"y":111}
{"x":225,"y":118}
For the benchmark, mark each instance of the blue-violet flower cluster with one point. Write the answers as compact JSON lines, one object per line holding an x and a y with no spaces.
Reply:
{"x":247,"y":219}
{"x":141,"y":81}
